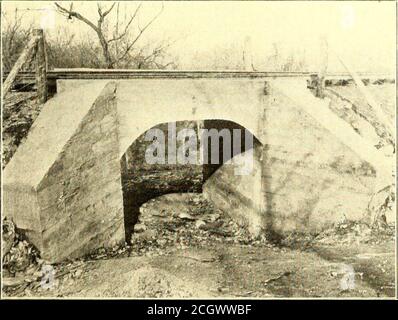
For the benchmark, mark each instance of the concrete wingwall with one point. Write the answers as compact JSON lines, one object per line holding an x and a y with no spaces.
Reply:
{"x":240,"y":196}
{"x":86,"y":192}
{"x":38,"y":179}
{"x":312,"y":179}
{"x":80,"y":196}
{"x":304,"y":180}
{"x":77,"y":205}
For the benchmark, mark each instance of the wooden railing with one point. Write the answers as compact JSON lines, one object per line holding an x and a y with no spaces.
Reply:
{"x":35,"y":47}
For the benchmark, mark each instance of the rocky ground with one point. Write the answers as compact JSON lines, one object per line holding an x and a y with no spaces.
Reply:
{"x":351,"y":106}
{"x":183,"y":247}
{"x":19,"y":112}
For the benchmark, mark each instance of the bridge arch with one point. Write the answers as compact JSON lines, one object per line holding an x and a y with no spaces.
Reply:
{"x":148,"y":103}
{"x":142,"y":181}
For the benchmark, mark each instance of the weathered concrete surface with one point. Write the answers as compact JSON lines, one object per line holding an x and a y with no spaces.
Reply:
{"x":319,"y":111}
{"x":314,"y":173}
{"x":240,"y":196}
{"x":68,"y":186}
{"x":80,"y":196}
{"x":32,"y":161}
{"x":310,"y":176}
{"x":76,"y":204}
{"x":161,"y":101}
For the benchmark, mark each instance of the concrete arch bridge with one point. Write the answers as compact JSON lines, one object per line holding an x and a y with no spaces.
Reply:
{"x":77,"y":181}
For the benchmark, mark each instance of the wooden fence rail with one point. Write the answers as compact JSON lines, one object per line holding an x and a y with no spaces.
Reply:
{"x":36,"y":46}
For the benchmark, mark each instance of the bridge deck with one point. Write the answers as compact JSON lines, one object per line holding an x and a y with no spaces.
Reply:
{"x":133,"y":74}
{"x":27,"y":79}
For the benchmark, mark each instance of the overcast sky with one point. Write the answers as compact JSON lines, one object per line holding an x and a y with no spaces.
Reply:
{"x":363,"y":33}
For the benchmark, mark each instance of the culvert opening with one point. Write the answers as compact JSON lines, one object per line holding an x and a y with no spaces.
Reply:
{"x":143,"y":181}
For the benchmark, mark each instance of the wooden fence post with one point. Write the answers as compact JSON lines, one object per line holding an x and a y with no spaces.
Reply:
{"x":30,"y":48}
{"x":41,"y":66}
{"x":319,"y":81}
{"x":320,"y":86}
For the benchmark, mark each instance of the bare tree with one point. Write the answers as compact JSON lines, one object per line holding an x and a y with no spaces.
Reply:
{"x":15,"y":36}
{"x":286,"y":61}
{"x":116,"y":48}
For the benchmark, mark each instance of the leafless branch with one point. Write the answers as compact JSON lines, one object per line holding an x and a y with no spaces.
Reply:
{"x":110,"y":47}
{"x":118,"y":37}
{"x":109,"y":10}
{"x":76,"y":15}
{"x":142,"y":30}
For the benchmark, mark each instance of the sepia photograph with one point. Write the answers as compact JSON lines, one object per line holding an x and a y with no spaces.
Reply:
{"x":198,"y":150}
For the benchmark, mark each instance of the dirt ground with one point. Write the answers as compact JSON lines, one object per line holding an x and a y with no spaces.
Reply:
{"x":185,"y":261}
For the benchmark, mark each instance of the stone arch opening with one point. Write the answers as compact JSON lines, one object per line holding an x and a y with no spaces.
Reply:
{"x":142,"y":181}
